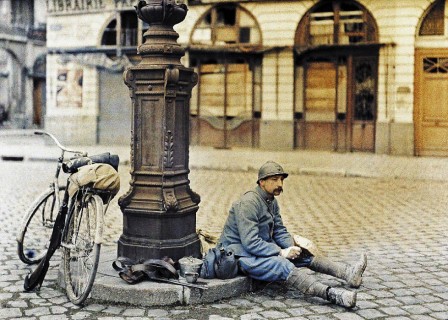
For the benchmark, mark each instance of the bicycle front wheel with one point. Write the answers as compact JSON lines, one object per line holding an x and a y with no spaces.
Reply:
{"x":82,"y":244}
{"x":37,"y":226}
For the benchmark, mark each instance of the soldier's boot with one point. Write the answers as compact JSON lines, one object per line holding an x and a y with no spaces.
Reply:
{"x":309,"y":285}
{"x":341,"y":297}
{"x":350,"y":273}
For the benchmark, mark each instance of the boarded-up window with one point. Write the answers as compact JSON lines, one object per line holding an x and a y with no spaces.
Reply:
{"x":211,"y":99}
{"x":225,"y":90}
{"x":239,"y":90}
{"x":336,"y":22}
{"x":320,"y":91}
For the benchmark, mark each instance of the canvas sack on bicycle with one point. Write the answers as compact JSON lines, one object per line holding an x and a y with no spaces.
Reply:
{"x":35,"y":279}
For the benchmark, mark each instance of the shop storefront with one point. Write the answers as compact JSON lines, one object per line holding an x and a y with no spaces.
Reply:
{"x":336,"y":75}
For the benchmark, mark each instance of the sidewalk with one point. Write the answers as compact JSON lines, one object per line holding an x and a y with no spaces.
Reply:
{"x":23,"y":145}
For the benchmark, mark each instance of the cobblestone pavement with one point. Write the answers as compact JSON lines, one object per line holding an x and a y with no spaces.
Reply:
{"x":400,"y":223}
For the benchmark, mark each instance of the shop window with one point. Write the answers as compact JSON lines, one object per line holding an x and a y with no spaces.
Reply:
{"x":336,"y":23}
{"x":433,"y":22}
{"x":124,"y":30}
{"x":226,"y":24}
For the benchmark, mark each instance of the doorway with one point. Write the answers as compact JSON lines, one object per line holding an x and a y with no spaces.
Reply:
{"x":431,"y":102}
{"x":335,"y":104}
{"x":115,"y":114}
{"x":336,"y":75}
{"x":39,"y":102}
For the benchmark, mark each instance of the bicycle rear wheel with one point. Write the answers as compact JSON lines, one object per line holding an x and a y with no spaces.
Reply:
{"x":82,"y":244}
{"x":37,"y":226}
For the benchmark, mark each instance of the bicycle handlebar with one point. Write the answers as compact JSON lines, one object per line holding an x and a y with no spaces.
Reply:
{"x":42,"y":132}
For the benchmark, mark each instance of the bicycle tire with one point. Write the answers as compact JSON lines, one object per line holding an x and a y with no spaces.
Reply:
{"x":81,"y":247}
{"x":37,"y":226}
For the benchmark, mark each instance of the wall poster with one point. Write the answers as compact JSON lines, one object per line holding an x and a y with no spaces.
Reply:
{"x":69,"y":88}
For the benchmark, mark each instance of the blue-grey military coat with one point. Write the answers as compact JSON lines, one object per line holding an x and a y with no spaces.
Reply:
{"x":254,"y":226}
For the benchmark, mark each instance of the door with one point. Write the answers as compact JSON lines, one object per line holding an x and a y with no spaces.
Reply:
{"x":115,"y":114}
{"x":39,"y":102}
{"x":363,"y":104}
{"x":337,"y":110}
{"x":431,"y":102}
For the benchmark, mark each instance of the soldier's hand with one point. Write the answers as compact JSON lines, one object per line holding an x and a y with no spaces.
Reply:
{"x":291,"y":252}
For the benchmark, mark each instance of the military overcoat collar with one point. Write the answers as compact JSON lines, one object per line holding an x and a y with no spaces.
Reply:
{"x":264,"y":195}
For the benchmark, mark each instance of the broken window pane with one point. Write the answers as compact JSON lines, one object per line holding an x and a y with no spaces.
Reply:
{"x":226,"y":16}
{"x":336,"y":22}
{"x":226,"y":25}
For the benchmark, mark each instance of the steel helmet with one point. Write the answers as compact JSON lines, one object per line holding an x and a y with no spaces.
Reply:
{"x":270,"y":169}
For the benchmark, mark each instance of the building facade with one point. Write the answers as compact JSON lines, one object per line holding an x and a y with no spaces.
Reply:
{"x":337,"y":75}
{"x":22,"y":63}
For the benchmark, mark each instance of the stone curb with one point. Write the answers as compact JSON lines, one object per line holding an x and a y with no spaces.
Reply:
{"x":12,"y":155}
{"x":23,"y":145}
{"x":109,"y":287}
{"x":323,"y":172}
{"x":330,"y":172}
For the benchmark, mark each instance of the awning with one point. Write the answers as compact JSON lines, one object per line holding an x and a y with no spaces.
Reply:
{"x":235,"y":49}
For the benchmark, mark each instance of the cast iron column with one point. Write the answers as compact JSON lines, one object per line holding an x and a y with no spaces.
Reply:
{"x":159,"y":210}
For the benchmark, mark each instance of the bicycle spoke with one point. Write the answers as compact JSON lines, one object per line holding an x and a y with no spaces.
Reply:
{"x":81,"y":255}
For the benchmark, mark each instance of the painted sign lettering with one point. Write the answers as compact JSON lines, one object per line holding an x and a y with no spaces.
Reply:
{"x":70,"y":6}
{"x":55,"y":6}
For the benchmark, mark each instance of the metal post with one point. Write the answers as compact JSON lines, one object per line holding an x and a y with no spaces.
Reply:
{"x":159,"y":210}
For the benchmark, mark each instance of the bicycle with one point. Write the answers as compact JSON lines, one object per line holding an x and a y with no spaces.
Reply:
{"x":77,"y":226}
{"x":40,"y":217}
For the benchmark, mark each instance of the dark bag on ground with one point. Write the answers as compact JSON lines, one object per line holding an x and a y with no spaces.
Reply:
{"x":219,"y":263}
{"x":160,"y":270}
{"x":134,"y":272}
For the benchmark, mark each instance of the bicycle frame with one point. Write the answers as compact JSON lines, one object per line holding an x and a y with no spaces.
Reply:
{"x":55,"y":183}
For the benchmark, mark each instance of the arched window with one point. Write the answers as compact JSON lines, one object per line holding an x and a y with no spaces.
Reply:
{"x":124,"y":30}
{"x":226,"y":24}
{"x":337,"y":22}
{"x":110,"y":34}
{"x":433,"y":22}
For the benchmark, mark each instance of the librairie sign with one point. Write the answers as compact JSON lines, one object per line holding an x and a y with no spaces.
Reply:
{"x":74,"y":6}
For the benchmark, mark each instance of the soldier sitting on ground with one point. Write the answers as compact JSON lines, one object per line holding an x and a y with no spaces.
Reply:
{"x":254,"y":231}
